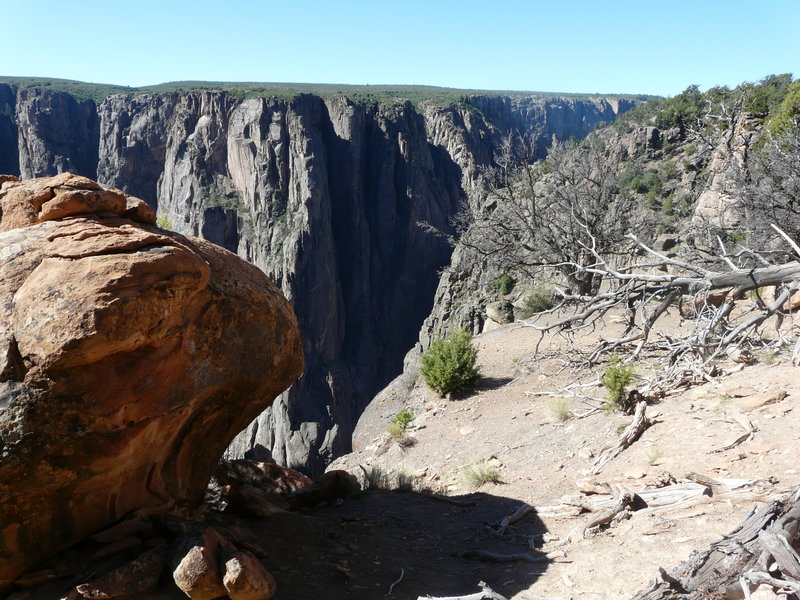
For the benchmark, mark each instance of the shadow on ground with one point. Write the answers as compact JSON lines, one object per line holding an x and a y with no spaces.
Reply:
{"x":357,"y":550}
{"x":492,"y":383}
{"x":354,"y":551}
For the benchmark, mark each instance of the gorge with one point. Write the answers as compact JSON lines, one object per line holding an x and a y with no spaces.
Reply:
{"x":323,"y":193}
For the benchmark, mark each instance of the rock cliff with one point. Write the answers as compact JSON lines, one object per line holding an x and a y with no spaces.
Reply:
{"x":129,"y":359}
{"x":322,"y":194}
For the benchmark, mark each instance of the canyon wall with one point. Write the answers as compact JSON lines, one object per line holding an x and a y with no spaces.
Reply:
{"x":323,"y":194}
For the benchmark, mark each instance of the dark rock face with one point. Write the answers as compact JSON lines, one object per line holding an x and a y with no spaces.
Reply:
{"x":325,"y":196}
{"x":57,"y":134}
{"x":9,"y":154}
{"x":129,"y":359}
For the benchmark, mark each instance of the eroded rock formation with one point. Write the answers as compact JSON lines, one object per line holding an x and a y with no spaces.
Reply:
{"x":129,"y":358}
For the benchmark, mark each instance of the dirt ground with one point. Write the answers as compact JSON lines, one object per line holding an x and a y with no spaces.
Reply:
{"x":542,"y":443}
{"x":514,"y":422}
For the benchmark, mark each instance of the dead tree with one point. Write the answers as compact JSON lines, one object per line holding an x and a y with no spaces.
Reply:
{"x":761,"y":550}
{"x":646,"y":290}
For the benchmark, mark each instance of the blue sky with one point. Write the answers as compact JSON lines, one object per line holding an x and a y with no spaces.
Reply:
{"x":573,"y":46}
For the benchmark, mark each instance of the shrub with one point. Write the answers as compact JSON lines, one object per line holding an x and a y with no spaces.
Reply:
{"x":475,"y":475}
{"x":449,"y":364}
{"x":616,"y":378}
{"x":504,"y":284}
{"x":405,"y":481}
{"x":376,"y":478}
{"x":399,"y":424}
{"x":558,"y":407}
{"x":539,"y":300}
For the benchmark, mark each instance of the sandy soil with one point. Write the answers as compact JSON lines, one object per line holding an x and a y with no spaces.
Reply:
{"x":542,"y":444}
{"x":514,"y":423}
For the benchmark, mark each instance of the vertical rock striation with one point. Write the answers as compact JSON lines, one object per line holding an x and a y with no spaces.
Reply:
{"x":57,"y":134}
{"x":323,"y":195}
{"x":9,"y":154}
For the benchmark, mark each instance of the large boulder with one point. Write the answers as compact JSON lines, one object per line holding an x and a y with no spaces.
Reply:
{"x":129,"y":358}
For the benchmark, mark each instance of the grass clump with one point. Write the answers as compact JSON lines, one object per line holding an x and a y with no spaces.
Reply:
{"x":539,"y":300}
{"x":559,"y":409}
{"x":654,"y":454}
{"x":449,"y":364}
{"x":405,"y":481}
{"x":616,"y":379}
{"x":399,"y":425}
{"x":376,"y":478}
{"x":475,"y":475}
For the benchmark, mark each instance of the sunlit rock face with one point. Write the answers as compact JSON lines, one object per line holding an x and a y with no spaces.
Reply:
{"x":130,"y":357}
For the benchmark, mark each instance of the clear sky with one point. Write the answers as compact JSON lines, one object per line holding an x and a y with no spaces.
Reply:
{"x":655,"y":47}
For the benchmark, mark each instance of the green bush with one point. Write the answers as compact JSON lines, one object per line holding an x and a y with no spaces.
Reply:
{"x":616,"y":378}
{"x":539,"y":300}
{"x":449,"y":364}
{"x":504,"y":284}
{"x":399,"y":424}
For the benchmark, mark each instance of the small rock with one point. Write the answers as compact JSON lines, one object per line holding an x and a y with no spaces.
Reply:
{"x":765,"y":592}
{"x":196,"y":572}
{"x":585,"y":453}
{"x":466,"y":430}
{"x":247,"y":579}
{"x":634,"y":474}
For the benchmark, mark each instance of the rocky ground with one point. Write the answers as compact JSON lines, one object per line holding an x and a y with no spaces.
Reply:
{"x":521,"y":422}
{"x":540,"y":440}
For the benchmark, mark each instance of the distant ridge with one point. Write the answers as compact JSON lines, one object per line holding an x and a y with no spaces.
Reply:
{"x":375,"y":93}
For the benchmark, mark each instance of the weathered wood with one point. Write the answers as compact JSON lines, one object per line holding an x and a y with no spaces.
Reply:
{"x":448,"y":500}
{"x":783,"y":553}
{"x":738,"y":561}
{"x":756,"y":578}
{"x":493,"y":557}
{"x":486,"y":593}
{"x":518,"y":514}
{"x":631,"y":434}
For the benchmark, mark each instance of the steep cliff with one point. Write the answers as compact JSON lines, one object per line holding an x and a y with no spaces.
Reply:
{"x":57,"y":134}
{"x":324,"y":195}
{"x":9,"y":155}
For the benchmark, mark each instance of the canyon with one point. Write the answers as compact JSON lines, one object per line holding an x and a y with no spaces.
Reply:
{"x":323,"y":193}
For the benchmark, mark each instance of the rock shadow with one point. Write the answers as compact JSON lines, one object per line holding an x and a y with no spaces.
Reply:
{"x":357,"y":550}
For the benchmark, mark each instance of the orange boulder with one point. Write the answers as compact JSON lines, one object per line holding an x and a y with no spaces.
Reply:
{"x":129,"y":358}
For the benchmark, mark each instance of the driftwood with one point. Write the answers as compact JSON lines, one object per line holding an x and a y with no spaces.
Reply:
{"x":394,"y":583}
{"x":448,"y":500}
{"x":626,"y":502}
{"x":523,"y":510}
{"x":669,"y":497}
{"x":493,"y":557}
{"x":742,"y":560}
{"x":486,"y":593}
{"x":631,"y":434}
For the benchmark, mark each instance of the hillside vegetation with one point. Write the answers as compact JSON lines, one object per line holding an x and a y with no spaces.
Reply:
{"x":366,"y":93}
{"x":687,"y":187}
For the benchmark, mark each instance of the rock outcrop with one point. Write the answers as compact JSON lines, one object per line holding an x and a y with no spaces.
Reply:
{"x":57,"y":134}
{"x":325,"y":196}
{"x":129,"y":358}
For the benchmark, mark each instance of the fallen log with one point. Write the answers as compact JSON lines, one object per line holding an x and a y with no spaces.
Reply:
{"x":631,"y":434}
{"x":518,"y":514}
{"x":493,"y":557}
{"x":740,"y":561}
{"x":486,"y":593}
